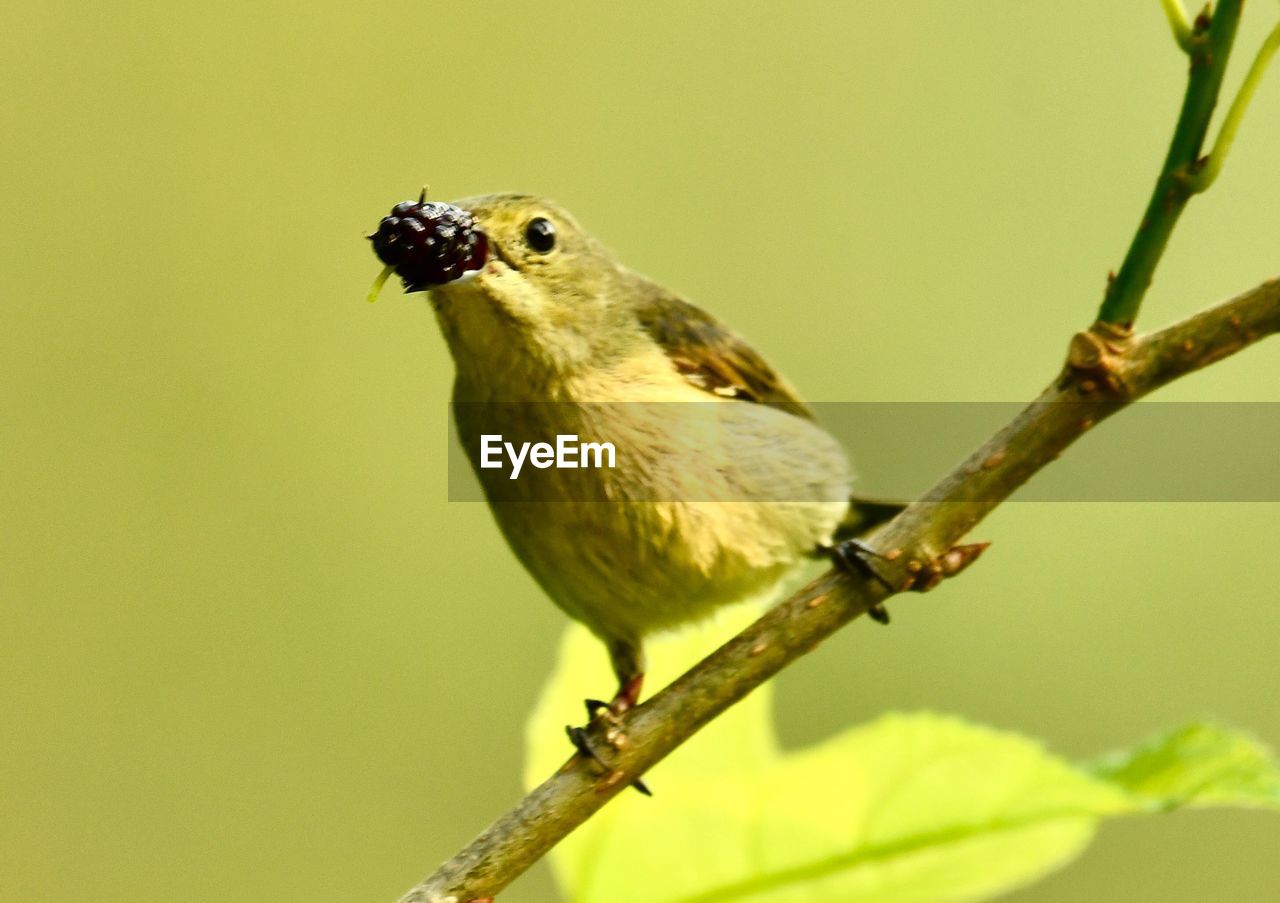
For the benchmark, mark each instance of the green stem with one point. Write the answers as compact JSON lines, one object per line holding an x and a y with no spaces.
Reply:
{"x":1213,"y":163}
{"x":1211,"y":40}
{"x":1177,"y":17}
{"x":378,"y":283}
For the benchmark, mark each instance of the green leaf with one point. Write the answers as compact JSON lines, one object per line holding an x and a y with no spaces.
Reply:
{"x":910,"y":808}
{"x":1197,"y":765}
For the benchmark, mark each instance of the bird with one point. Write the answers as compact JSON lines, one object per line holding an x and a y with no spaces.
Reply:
{"x":724,"y":479}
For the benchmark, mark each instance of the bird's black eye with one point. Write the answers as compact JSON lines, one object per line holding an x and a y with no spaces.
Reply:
{"x":540,"y":234}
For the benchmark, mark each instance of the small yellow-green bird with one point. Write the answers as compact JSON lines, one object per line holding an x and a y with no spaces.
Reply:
{"x":723,"y":481}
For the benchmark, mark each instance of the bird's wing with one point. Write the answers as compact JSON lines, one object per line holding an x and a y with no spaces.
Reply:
{"x":712,"y":357}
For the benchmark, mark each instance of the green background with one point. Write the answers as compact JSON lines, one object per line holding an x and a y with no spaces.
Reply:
{"x":248,"y":651}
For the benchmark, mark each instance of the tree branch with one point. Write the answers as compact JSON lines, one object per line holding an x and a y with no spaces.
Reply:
{"x":1208,"y":45}
{"x":1107,"y":368}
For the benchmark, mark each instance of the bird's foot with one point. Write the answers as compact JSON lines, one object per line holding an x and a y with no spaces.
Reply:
{"x":607,"y":716}
{"x":857,"y":558}
{"x":580,"y":737}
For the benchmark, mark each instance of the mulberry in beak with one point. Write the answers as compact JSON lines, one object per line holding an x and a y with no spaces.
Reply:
{"x":428,"y":243}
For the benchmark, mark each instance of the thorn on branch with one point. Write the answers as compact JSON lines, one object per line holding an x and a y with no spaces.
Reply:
{"x":957,"y":558}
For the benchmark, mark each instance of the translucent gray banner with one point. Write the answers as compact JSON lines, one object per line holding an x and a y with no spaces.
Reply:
{"x":1151,"y":452}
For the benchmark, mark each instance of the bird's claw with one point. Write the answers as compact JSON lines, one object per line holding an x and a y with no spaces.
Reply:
{"x":599,"y":710}
{"x":857,"y":558}
{"x":581,"y":741}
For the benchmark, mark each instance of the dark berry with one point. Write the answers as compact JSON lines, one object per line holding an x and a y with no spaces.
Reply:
{"x":429,"y":243}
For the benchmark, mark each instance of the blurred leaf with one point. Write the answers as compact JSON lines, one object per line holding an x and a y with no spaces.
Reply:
{"x":1197,"y":765}
{"x":906,"y":809}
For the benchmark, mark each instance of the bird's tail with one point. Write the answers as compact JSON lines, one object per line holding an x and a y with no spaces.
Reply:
{"x":864,"y":516}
